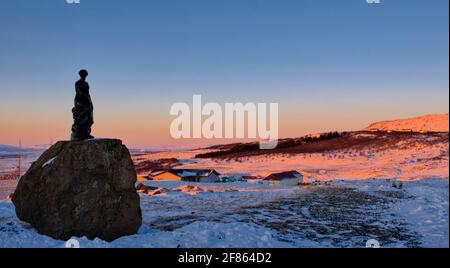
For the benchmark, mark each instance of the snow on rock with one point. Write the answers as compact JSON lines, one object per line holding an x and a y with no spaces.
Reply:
{"x":49,"y":161}
{"x":189,"y":189}
{"x":426,"y":123}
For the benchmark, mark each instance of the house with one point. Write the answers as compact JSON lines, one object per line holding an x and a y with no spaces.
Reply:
{"x":286,"y":178}
{"x":193,"y":175}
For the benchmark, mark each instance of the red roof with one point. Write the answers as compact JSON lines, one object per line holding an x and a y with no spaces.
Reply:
{"x":283,"y":176}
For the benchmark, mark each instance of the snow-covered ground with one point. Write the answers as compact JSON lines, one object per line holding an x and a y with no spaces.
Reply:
{"x":425,"y":123}
{"x":351,"y":200}
{"x":334,"y":214}
{"x":408,"y":159}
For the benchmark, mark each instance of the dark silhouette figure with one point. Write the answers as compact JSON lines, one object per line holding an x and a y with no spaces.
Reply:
{"x":82,"y":111}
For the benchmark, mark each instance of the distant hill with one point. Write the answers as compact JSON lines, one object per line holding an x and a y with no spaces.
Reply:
{"x":15,"y":149}
{"x":357,"y":141}
{"x":426,"y":123}
{"x":424,"y":130}
{"x":8,"y":148}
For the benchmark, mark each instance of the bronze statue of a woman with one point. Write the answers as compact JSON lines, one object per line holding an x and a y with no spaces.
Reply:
{"x":82,"y":111}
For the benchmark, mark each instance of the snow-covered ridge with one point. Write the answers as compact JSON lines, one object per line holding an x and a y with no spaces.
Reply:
{"x":426,"y":123}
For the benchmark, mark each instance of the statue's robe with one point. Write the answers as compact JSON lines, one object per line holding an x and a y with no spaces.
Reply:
{"x":82,"y":111}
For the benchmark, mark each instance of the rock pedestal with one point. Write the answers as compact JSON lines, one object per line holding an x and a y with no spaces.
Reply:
{"x":81,"y":188}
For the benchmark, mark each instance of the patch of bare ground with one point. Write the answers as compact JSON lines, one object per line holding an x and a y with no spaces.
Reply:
{"x":173,"y":222}
{"x":9,"y":226}
{"x":337,"y":216}
{"x":9,"y":176}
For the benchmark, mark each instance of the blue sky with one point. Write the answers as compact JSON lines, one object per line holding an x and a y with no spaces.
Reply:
{"x":331,"y":64}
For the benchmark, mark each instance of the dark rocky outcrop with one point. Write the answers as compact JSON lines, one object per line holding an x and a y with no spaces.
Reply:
{"x":81,"y":188}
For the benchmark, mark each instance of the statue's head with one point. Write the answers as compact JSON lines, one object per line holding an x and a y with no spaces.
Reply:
{"x":83,"y":74}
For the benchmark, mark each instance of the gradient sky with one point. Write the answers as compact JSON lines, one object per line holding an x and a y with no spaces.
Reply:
{"x":330,"y":64}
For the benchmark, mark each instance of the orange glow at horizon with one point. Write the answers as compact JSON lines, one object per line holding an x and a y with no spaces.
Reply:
{"x":147,"y":126}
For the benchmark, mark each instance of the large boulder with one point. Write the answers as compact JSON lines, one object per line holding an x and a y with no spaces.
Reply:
{"x":81,"y":188}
